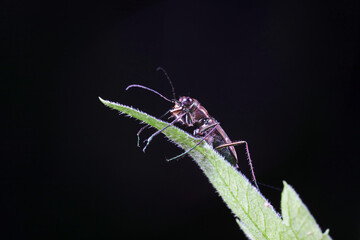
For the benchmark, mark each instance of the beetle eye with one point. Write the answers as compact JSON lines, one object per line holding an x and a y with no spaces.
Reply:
{"x":187,"y":101}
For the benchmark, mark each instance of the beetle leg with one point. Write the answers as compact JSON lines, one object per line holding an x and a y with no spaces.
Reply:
{"x":198,"y":132}
{"x":248,"y":156}
{"x":197,"y":144}
{"x":159,"y":131}
{"x":146,"y":126}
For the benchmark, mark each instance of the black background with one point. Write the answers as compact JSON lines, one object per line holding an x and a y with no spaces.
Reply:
{"x":282,"y":75}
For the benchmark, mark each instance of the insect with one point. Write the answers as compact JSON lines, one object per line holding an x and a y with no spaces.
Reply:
{"x":190,"y":113}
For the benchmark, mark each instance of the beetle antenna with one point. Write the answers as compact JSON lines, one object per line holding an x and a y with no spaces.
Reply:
{"x":168,"y":78}
{"x":149,"y":89}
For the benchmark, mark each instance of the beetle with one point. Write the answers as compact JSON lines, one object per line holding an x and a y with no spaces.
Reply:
{"x":190,"y":113}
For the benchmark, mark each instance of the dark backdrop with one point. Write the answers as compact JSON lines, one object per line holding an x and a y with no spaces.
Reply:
{"x":282,"y":75}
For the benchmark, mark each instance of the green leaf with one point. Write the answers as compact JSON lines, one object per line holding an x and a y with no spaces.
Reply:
{"x":256,"y":216}
{"x":297,"y":216}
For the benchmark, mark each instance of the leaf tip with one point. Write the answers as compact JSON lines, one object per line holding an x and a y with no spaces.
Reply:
{"x":101,"y":100}
{"x":286,"y":185}
{"x":105,"y":102}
